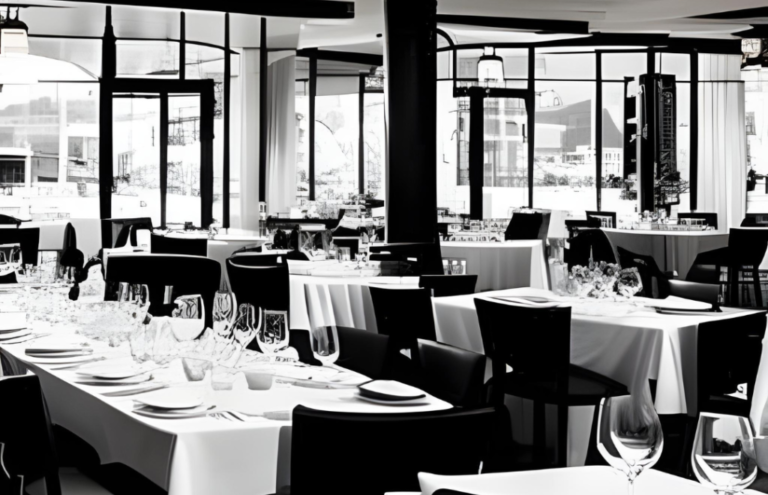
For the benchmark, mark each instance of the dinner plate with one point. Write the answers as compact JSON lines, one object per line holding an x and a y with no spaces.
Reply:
{"x":411,"y":402}
{"x":59,"y":355}
{"x":106,"y":373}
{"x":14,"y":335}
{"x":196,"y":412}
{"x":58,"y":350}
{"x":134,"y":380}
{"x":389,"y":391}
{"x":61,"y":360}
{"x":673,"y":303}
{"x":172,"y":398}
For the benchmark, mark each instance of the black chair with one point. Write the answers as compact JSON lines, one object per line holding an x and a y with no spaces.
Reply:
{"x":115,"y":232}
{"x":258,"y":259}
{"x":348,"y":242}
{"x":27,"y":239}
{"x":405,"y":315}
{"x":160,"y":244}
{"x":536,"y":343}
{"x":576,"y":226}
{"x":383,"y":452}
{"x":9,"y":220}
{"x":746,"y":250}
{"x":425,"y":257}
{"x":265,"y":287}
{"x":710,"y":218}
{"x":449,"y":285}
{"x":589,"y":242}
{"x":454,"y":375}
{"x":251,"y":248}
{"x":610,"y":215}
{"x":524,"y":226}
{"x":29,"y":457}
{"x":188,"y":275}
{"x":655,"y":282}
{"x":706,"y":267}
{"x":706,"y":293}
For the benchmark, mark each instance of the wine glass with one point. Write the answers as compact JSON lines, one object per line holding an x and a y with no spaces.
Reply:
{"x":188,"y":319}
{"x":629,"y":435}
{"x":325,"y":344}
{"x":274,"y":335}
{"x":224,"y":312}
{"x":245,"y":327}
{"x":723,"y":456}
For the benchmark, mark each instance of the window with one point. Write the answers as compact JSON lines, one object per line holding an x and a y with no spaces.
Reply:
{"x":751,"y":124}
{"x":124,"y":162}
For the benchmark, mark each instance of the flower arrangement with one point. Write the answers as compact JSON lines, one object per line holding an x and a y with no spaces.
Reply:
{"x":603,"y":280}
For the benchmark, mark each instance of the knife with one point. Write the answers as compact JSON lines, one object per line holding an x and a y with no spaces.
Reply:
{"x":77,"y":365}
{"x":134,"y":391}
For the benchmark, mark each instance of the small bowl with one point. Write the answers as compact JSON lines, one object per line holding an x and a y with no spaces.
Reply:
{"x":259,"y":379}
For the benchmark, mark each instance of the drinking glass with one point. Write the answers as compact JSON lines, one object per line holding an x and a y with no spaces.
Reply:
{"x":359,"y":258}
{"x":325,"y":344}
{"x":224,"y":312}
{"x":188,"y":318}
{"x":133,"y":293}
{"x":223,"y":377}
{"x":723,"y":456}
{"x":629,"y":434}
{"x":343,"y":254}
{"x":245,"y":327}
{"x":273,"y":335}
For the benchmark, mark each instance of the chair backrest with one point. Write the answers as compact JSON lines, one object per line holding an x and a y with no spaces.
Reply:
{"x":115,"y":234}
{"x":252,"y":258}
{"x":9,"y":220}
{"x":747,"y":247}
{"x":382,"y":453}
{"x":349,"y":242}
{"x":576,"y":226}
{"x":452,"y":374}
{"x":710,"y":218}
{"x":251,"y":248}
{"x":188,"y":275}
{"x":28,"y":448}
{"x":265,"y":287}
{"x":449,"y":285}
{"x":405,"y":315}
{"x":428,"y":255}
{"x":27,"y":239}
{"x":649,"y":273}
{"x":728,"y":354}
{"x":160,"y":244}
{"x":589,"y":242}
{"x":363,"y":351}
{"x":70,"y":237}
{"x":524,"y":226}
{"x":535,"y":342}
{"x":707,"y":293}
{"x":600,"y":215}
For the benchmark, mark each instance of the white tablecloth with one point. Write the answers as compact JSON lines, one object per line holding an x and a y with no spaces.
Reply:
{"x":321,"y":301}
{"x":501,"y":265}
{"x":52,"y":234}
{"x":201,"y":456}
{"x":592,"y":480}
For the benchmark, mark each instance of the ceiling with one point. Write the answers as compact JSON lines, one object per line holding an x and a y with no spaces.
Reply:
{"x":677,"y":18}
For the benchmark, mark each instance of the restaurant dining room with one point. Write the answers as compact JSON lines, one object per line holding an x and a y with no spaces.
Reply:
{"x":384,"y":247}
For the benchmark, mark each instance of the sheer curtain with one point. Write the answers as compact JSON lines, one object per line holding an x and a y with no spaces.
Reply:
{"x":281,"y":150}
{"x":722,"y":139}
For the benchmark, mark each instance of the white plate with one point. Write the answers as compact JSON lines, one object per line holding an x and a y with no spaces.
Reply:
{"x":13,"y":335}
{"x":678,"y":303}
{"x":392,"y":391}
{"x":106,"y":373}
{"x":178,"y":414}
{"x":125,"y":381}
{"x":414,"y":402}
{"x":56,"y":350}
{"x":172,"y":399}
{"x":62,"y":360}
{"x":60,"y":355}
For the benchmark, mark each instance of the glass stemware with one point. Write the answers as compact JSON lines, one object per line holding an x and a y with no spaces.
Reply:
{"x":224,"y":312}
{"x":245,"y":327}
{"x":274,"y":335}
{"x":629,"y":435}
{"x":325,"y":344}
{"x":188,"y":319}
{"x":723,"y":456}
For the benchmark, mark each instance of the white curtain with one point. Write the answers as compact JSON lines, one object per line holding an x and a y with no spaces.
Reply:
{"x":722,"y":139}
{"x":281,"y":139}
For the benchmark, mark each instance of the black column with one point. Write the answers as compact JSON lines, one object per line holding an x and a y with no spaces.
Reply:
{"x":164,"y":157}
{"x":412,"y":119}
{"x":108,"y":70}
{"x":530,"y":109}
{"x":263,"y":109}
{"x":182,"y":46}
{"x":312,"y":96}
{"x":694,"y":132}
{"x":476,"y":152}
{"x":225,"y":108}
{"x":599,"y":130}
{"x":361,"y":136}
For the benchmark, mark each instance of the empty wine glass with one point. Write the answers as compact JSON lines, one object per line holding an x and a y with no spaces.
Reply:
{"x":188,"y":319}
{"x":723,"y":456}
{"x":325,"y":344}
{"x":245,"y":327}
{"x":274,"y":335}
{"x":224,"y":312}
{"x":629,"y":435}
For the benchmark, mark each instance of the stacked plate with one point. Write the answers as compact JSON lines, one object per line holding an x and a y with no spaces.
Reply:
{"x":60,"y":354}
{"x":13,"y":328}
{"x":112,"y":376}
{"x":391,"y":393}
{"x":172,"y":404}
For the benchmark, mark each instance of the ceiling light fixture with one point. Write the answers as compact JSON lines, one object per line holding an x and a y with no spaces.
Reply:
{"x":490,"y":68}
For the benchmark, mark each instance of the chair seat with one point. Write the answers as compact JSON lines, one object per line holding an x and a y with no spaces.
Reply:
{"x":73,"y":482}
{"x":585,"y":387}
{"x":725,"y":404}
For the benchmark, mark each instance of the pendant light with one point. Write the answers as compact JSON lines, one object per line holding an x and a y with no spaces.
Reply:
{"x":490,"y":68}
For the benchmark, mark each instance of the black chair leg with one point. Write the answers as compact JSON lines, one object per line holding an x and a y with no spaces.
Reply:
{"x":561,"y":459}
{"x":757,"y":288}
{"x":539,"y":434}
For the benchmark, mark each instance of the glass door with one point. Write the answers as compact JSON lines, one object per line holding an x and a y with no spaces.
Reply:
{"x":182,"y":198}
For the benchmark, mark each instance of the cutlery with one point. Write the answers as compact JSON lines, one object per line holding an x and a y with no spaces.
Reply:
{"x":77,"y":365}
{"x":125,"y":393}
{"x":242,"y":417}
{"x":25,"y":339}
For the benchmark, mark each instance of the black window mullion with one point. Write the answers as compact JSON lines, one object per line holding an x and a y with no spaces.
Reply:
{"x":312,"y":95}
{"x":361,"y":137}
{"x":163,"y":156}
{"x":531,"y":111}
{"x":694,"y":132}
{"x":599,"y":130}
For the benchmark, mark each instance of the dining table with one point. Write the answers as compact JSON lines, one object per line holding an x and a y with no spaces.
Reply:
{"x":180,"y":455}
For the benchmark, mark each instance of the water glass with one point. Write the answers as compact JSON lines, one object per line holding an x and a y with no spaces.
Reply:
{"x":723,"y":456}
{"x":246,"y":327}
{"x":194,"y":369}
{"x":325,"y":344}
{"x":629,"y":435}
{"x":223,"y":377}
{"x":343,"y":254}
{"x":224,"y":313}
{"x":273,"y":334}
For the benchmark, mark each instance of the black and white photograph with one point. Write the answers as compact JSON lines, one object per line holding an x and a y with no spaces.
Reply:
{"x":384,"y":247}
